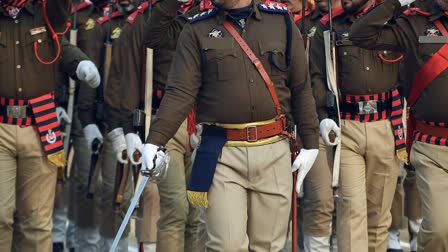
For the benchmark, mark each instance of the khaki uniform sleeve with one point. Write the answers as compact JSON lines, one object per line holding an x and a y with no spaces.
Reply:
{"x":70,"y":57}
{"x":59,"y":13}
{"x":374,"y":31}
{"x":91,"y":42}
{"x":184,"y":81}
{"x":163,"y":27}
{"x":318,"y":72}
{"x":302,"y":101}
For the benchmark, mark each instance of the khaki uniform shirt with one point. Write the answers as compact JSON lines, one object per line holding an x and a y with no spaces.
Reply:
{"x":403,"y":35}
{"x":22,"y":75}
{"x":359,"y":71}
{"x":216,"y":74}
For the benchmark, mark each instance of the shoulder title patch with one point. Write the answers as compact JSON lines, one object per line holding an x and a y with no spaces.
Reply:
{"x":203,"y":15}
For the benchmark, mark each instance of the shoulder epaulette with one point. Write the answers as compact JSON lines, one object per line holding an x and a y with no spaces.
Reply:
{"x":140,"y":10}
{"x":202,"y":15}
{"x":416,"y":11}
{"x":81,"y":6}
{"x":105,"y":19}
{"x":205,"y":5}
{"x":297,"y":17}
{"x":273,"y":7}
{"x":336,"y":12}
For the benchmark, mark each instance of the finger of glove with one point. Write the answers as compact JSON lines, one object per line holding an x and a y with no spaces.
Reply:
{"x":326,"y":139}
{"x":297,"y":164}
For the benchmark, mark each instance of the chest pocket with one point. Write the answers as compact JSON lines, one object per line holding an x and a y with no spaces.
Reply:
{"x":44,"y":46}
{"x":221,"y":59}
{"x":273,"y":57}
{"x":427,"y":50}
{"x":349,"y":59}
{"x":384,"y":61}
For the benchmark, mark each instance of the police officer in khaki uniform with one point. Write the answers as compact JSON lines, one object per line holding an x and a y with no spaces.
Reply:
{"x":126,"y":78}
{"x":242,"y":170}
{"x":422,"y":37}
{"x":406,"y":204}
{"x":30,"y":155}
{"x":317,"y":203}
{"x":372,"y":139}
{"x":108,"y":29}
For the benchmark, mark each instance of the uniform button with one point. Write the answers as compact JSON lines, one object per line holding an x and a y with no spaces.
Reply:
{"x":385,"y":52}
{"x":20,"y":89}
{"x":19,"y":66}
{"x":370,"y":90}
{"x":367,"y":68}
{"x":39,"y":41}
{"x":345,"y":53}
{"x":17,"y":42}
{"x":251,"y":80}
{"x":16,"y":21}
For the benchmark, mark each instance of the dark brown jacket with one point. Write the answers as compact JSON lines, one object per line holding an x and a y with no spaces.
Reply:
{"x":359,"y":71}
{"x":370,"y":32}
{"x":22,"y":75}
{"x":215,"y":74}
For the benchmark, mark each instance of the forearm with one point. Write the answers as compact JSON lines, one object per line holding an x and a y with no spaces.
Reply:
{"x":70,"y":57}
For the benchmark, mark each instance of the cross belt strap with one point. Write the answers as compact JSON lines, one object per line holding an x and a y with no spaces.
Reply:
{"x":257,"y":63}
{"x":424,"y":77}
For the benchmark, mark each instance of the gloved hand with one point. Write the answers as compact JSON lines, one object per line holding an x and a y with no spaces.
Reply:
{"x":88,"y":72}
{"x":91,"y":132}
{"x":61,"y":114}
{"x":406,"y":2}
{"x":183,"y":1}
{"x":150,"y":154}
{"x":326,"y":126}
{"x":118,"y":144}
{"x":134,"y":143}
{"x":303,"y":164}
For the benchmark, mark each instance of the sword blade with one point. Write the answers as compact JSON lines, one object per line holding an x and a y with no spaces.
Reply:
{"x":128,"y":215}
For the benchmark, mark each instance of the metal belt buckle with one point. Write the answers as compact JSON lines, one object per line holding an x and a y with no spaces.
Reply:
{"x":248,"y":134}
{"x":16,"y":112}
{"x":368,"y":107}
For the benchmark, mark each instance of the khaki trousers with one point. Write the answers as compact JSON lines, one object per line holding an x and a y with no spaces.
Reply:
{"x":178,"y":226}
{"x":27,"y":190}
{"x":406,"y":202}
{"x":431,"y":165}
{"x":111,"y":219}
{"x":148,"y":213}
{"x":250,"y":199}
{"x":368,"y":176}
{"x":318,"y":201}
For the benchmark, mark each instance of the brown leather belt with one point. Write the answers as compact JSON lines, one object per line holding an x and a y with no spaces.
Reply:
{"x":431,"y":130}
{"x":255,"y":133}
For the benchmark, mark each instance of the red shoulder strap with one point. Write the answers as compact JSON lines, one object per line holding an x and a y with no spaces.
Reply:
{"x":81,"y":6}
{"x":104,"y":19}
{"x":336,"y":12}
{"x":414,"y":11}
{"x":431,"y":69}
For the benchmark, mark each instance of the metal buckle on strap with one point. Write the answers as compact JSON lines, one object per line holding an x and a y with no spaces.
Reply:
{"x":16,"y":112}
{"x":367,"y":107}
{"x":248,"y":138}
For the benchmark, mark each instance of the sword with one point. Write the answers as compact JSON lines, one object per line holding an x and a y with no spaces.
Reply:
{"x":152,"y":175}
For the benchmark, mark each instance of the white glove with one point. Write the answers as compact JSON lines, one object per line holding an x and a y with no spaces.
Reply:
{"x":150,"y":151}
{"x":91,"y":132}
{"x":118,"y":144}
{"x":195,"y":140}
{"x":183,"y":1}
{"x":134,"y":143}
{"x":88,"y":72}
{"x":61,"y":114}
{"x":303,"y":164}
{"x":326,"y":126}
{"x":406,"y":2}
